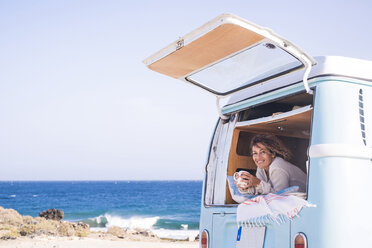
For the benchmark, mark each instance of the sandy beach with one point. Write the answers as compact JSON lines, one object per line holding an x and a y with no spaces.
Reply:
{"x":91,"y":242}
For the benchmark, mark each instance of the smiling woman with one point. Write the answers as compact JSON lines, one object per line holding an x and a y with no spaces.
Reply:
{"x":274,"y":173}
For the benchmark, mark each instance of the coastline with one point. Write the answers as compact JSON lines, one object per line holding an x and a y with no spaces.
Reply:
{"x":17,"y":231}
{"x":169,"y":209}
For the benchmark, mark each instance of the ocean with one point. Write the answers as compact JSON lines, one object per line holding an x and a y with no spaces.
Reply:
{"x":171,"y":209}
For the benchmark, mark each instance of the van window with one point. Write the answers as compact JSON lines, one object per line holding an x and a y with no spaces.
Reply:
{"x":291,"y":127}
{"x":289,"y":119}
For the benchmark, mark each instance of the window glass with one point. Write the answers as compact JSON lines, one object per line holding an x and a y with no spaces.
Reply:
{"x":259,"y":62}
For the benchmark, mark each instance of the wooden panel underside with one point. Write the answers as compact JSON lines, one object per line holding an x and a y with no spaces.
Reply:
{"x":293,"y":126}
{"x":213,"y":46}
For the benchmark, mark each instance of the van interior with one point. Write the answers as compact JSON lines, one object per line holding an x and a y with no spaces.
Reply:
{"x":289,"y":119}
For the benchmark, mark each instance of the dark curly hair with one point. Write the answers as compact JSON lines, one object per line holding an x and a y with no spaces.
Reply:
{"x":273,"y":144}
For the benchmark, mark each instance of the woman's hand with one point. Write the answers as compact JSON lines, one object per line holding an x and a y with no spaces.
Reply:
{"x":253,"y":181}
{"x":250,"y":180}
{"x":241,"y":181}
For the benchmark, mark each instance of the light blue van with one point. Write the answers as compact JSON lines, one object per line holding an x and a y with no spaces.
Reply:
{"x":320,"y":107}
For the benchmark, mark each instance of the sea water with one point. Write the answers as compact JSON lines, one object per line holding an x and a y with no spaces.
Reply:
{"x":171,"y":209}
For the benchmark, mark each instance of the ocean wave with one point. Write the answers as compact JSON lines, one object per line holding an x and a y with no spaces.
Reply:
{"x":177,"y":231}
{"x":140,"y":222}
{"x":176,"y":224}
{"x":96,"y":222}
{"x":108,"y":220}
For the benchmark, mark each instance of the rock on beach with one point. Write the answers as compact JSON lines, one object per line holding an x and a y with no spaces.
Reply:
{"x":13,"y":225}
{"x":52,"y":214}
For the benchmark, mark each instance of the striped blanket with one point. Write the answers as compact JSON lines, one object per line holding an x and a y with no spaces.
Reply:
{"x":263,"y":209}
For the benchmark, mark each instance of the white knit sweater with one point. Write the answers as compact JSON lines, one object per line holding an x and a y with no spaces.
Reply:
{"x":282,"y":175}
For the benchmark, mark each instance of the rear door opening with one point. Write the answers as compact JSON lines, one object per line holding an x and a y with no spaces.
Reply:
{"x":288,"y":119}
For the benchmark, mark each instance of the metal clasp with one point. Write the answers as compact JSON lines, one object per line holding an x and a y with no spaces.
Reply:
{"x":180,"y":44}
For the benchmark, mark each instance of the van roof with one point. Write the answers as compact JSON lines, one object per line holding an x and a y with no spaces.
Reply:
{"x":326,"y":66}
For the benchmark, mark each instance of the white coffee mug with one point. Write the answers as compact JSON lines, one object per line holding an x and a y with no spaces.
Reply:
{"x":240,"y":181}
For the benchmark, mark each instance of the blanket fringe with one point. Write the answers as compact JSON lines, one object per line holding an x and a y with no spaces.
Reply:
{"x":265,"y":220}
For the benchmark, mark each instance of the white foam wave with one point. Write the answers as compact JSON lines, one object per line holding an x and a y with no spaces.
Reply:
{"x":98,"y":219}
{"x":176,"y":234}
{"x":147,"y":223}
{"x":13,"y":196}
{"x":132,"y":222}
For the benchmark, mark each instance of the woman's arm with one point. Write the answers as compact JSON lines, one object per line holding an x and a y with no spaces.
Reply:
{"x":279,"y":179}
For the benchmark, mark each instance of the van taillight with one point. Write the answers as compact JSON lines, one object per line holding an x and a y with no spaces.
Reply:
{"x":300,"y":241}
{"x":204,"y":240}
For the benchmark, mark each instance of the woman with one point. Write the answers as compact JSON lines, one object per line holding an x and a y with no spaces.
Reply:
{"x":274,"y":172}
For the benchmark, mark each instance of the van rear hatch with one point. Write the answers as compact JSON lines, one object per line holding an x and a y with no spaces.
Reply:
{"x":228,"y":54}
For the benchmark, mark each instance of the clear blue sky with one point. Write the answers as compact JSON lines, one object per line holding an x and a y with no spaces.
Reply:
{"x":76,"y":102}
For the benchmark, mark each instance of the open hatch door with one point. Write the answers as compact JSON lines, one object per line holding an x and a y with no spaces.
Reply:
{"x":229,"y":54}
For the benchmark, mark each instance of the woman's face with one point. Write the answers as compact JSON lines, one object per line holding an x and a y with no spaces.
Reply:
{"x":262,"y":156}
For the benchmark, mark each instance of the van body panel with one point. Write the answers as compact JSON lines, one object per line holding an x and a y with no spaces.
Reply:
{"x":337,"y":120}
{"x":277,"y":235}
{"x":342,"y":216}
{"x":224,"y":229}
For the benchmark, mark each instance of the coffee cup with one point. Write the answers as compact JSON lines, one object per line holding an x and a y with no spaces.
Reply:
{"x":240,"y":181}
